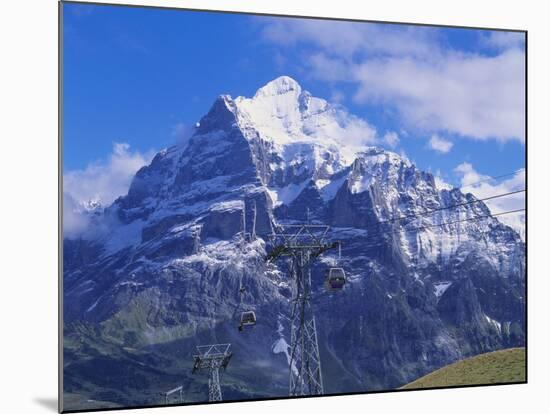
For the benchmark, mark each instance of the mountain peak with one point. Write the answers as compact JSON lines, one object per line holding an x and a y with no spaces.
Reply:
{"x":283,"y":113}
{"x":279,"y":86}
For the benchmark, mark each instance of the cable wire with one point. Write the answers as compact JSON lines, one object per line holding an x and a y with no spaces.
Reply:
{"x":451,"y":206}
{"x":491,"y":179}
{"x":376,"y":234}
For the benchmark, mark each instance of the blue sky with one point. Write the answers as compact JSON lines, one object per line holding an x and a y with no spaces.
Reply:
{"x":137,"y":78}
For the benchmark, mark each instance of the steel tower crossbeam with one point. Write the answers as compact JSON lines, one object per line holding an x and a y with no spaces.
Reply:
{"x":168,"y":395}
{"x":212,"y":358}
{"x":302,"y":244}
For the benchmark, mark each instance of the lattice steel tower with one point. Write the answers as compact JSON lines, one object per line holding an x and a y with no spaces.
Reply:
{"x":303,"y":244}
{"x":211,"y":358}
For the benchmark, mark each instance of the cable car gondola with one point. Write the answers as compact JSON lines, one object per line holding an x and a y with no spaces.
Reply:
{"x":248,"y":318}
{"x":335,"y":279}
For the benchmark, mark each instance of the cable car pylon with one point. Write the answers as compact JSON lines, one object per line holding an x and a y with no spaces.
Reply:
{"x":302,"y":244}
{"x":212,"y":358}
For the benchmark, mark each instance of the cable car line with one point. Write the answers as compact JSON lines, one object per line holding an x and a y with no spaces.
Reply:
{"x":425,"y":213}
{"x":369,"y":245}
{"x":470,"y":219}
{"x":452,"y":206}
{"x":490,"y":178}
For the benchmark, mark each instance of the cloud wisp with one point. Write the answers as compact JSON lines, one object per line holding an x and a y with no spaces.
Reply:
{"x":504,"y":40}
{"x":104,"y":181}
{"x":433,"y":87}
{"x":100,"y":183}
{"x":440,"y":144}
{"x":483,"y":186}
{"x":391,"y":139}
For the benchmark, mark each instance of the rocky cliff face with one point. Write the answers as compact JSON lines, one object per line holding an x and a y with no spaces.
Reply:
{"x":161,"y":271}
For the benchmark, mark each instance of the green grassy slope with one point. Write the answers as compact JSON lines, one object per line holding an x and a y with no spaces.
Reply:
{"x":505,"y":366}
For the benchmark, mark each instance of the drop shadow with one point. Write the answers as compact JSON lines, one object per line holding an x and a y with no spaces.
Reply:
{"x":49,"y":403}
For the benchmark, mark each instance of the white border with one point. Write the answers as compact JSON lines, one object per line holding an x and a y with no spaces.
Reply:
{"x":28,"y":170}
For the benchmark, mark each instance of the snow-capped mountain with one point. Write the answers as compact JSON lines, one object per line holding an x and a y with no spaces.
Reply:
{"x":162,"y":268}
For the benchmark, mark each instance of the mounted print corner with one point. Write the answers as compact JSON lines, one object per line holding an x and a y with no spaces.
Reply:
{"x":259,"y":206}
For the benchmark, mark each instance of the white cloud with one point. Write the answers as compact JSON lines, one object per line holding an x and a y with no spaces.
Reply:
{"x":476,"y":96}
{"x":99,"y":184}
{"x":352,"y":131}
{"x":440,"y":182}
{"x":75,"y":219}
{"x":469,"y":174}
{"x":504,"y":40}
{"x":405,"y":157}
{"x":104,"y":181}
{"x":348,"y":39}
{"x":432,"y":87}
{"x":391,"y":139}
{"x":440,"y":144}
{"x":482,"y":186}
{"x":325,"y":68}
{"x":337,"y":97}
